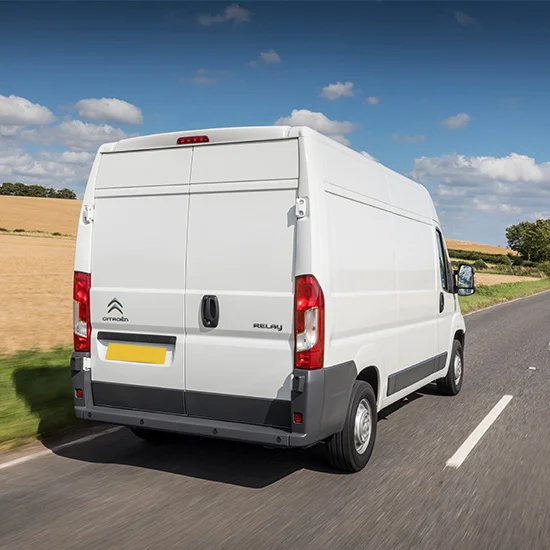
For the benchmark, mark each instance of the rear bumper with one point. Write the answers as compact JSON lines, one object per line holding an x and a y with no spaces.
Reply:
{"x":321,"y":397}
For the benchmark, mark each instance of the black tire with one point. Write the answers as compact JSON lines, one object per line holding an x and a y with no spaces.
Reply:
{"x":451,"y":384}
{"x":152,"y":436}
{"x":342,"y":452}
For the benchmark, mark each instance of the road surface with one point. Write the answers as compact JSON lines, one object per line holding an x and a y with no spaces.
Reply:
{"x":119,"y":492}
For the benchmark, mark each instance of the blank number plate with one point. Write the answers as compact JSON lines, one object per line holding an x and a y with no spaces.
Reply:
{"x":136,"y":354}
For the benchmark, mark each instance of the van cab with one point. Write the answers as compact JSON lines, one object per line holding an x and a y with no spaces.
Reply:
{"x":261,"y":284}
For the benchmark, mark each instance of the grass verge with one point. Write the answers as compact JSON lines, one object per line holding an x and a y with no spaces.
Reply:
{"x":35,"y":396}
{"x":486,"y":296}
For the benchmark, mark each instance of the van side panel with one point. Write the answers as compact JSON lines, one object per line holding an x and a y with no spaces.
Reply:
{"x":409,"y":196}
{"x":384,"y":296}
{"x":418,"y":303}
{"x":364,"y":286}
{"x":83,"y":247}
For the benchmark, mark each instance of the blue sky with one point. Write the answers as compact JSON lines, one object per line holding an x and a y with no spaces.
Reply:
{"x":454,"y":94}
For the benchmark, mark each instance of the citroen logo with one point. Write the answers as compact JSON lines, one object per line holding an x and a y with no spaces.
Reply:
{"x":114,"y":305}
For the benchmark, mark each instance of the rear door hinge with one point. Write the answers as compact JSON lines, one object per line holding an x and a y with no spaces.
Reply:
{"x":301,"y":207}
{"x":88,"y":214}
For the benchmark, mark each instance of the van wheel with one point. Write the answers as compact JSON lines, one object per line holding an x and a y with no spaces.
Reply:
{"x":452,"y":383}
{"x":350,"y":450}
{"x":152,"y":436}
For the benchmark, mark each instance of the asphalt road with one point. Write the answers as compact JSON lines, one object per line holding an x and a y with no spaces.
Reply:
{"x":119,"y":492}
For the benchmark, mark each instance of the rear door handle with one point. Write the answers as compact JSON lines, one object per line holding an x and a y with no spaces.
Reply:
{"x":210,"y":311}
{"x":441,"y":302}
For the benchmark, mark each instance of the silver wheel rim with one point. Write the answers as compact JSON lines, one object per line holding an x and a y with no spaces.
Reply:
{"x":363,"y":426}
{"x":458,"y":369}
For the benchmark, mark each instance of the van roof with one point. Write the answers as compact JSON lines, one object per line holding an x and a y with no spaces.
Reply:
{"x":215,"y":135}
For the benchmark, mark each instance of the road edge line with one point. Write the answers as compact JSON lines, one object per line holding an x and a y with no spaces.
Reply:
{"x":44,"y":452}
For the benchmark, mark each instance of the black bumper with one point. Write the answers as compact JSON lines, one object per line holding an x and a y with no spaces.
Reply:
{"x":321,"y":396}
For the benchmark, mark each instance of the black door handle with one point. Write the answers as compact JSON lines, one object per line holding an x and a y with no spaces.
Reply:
{"x":441,"y":302}
{"x":210,"y":311}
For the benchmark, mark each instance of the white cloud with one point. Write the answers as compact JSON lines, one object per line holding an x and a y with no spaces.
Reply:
{"x":373,"y":100}
{"x":492,"y":205}
{"x":270,"y":57}
{"x":205,"y":77}
{"x":335,"y":129}
{"x":234,"y":13}
{"x":109,"y":110}
{"x":201,"y":77}
{"x":337,"y":90}
{"x":405,"y":138}
{"x":74,"y":157}
{"x":458,"y":121}
{"x":76,"y":135}
{"x":464,"y":19}
{"x":45,"y":168}
{"x":478,"y":170}
{"x":369,"y":156}
{"x":18,"y":111}
{"x":511,"y":186}
{"x":9,"y":131}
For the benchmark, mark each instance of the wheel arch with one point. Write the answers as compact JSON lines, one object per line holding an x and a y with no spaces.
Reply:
{"x":460,"y":335}
{"x":371,"y":375}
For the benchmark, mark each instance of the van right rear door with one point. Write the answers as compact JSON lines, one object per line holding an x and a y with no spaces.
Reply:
{"x":240,"y":282}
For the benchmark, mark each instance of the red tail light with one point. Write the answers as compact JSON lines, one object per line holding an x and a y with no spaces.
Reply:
{"x":81,"y":311}
{"x":193,"y":139}
{"x":309,"y":323}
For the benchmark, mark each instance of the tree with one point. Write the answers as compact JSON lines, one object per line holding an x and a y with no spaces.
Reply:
{"x":66,"y":194}
{"x":531,"y":240}
{"x":7,"y":188}
{"x":21,"y":190}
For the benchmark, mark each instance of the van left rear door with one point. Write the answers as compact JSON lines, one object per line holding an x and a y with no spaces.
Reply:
{"x":138,"y":279}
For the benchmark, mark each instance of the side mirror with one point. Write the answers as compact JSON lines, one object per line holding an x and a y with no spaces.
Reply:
{"x":465,"y":280}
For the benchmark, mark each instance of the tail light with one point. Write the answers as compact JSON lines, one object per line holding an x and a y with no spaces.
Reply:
{"x":309,"y":323}
{"x":193,"y":139}
{"x":81,"y":311}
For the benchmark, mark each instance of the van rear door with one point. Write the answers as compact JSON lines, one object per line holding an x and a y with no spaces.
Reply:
{"x":138,"y":279}
{"x":240,"y":277}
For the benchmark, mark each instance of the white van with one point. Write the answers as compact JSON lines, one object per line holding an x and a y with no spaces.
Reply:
{"x":260,"y":284}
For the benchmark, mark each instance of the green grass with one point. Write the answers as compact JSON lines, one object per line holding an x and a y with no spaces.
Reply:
{"x":486,"y":296}
{"x":35,"y":233}
{"x":35,"y":396}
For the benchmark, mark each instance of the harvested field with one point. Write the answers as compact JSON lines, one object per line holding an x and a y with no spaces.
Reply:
{"x":36,"y":277}
{"x":476,"y":247}
{"x":489,"y":279}
{"x":38,"y":214}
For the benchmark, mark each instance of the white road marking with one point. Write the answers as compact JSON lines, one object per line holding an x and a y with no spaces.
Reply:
{"x":532,"y":368}
{"x":38,"y":454}
{"x":464,"y":450}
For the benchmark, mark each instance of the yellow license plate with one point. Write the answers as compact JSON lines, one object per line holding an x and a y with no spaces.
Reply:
{"x":136,"y":354}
